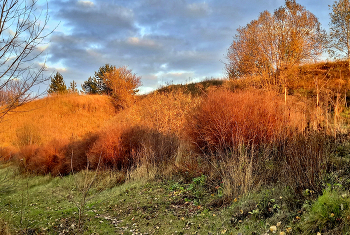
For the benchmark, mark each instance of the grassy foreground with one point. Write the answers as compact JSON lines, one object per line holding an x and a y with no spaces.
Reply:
{"x":110,"y":202}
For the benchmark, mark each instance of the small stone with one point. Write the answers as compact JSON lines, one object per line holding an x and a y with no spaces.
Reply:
{"x":273,"y":229}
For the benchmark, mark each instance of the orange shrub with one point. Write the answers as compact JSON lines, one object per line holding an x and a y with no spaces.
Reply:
{"x":75,"y":153}
{"x":226,"y":119}
{"x":121,"y":147}
{"x":25,"y":156}
{"x":42,"y":160}
{"x":165,"y":113}
{"x":7,"y":153}
{"x":57,"y":157}
{"x":107,"y":150}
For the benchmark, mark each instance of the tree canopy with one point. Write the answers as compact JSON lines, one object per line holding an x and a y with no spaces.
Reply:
{"x":119,"y":83}
{"x":96,"y":84}
{"x":271,"y":45}
{"x":122,"y":85}
{"x":57,"y":84}
{"x":340,"y":29}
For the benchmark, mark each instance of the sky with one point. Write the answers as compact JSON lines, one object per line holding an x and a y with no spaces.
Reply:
{"x":162,"y":41}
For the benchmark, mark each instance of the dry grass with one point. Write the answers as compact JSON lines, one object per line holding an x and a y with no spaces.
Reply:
{"x":66,"y":117}
{"x":4,"y":228}
{"x":146,"y":132}
{"x":236,"y":172}
{"x":163,"y":112}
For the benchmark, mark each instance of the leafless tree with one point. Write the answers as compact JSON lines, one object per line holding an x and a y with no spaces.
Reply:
{"x":22,"y":32}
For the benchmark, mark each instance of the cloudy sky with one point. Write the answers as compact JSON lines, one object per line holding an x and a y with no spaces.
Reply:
{"x":163,"y":41}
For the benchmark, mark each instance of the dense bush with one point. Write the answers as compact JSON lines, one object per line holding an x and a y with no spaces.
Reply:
{"x":252,"y":138}
{"x":7,"y":153}
{"x":226,"y":119}
{"x":42,"y":159}
{"x":114,"y":148}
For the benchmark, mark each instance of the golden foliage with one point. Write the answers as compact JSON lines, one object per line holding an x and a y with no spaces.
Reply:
{"x":122,"y":84}
{"x":225,"y":119}
{"x":164,"y":112}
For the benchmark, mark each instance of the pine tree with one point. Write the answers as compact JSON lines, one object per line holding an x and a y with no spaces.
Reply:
{"x":73,"y":87}
{"x":96,"y":84}
{"x":57,"y":84}
{"x":90,"y":86}
{"x":99,"y":76}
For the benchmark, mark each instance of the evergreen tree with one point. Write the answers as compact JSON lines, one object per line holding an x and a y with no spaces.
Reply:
{"x":90,"y":86}
{"x":99,"y":76}
{"x":73,"y":87}
{"x":96,"y":84}
{"x":57,"y":84}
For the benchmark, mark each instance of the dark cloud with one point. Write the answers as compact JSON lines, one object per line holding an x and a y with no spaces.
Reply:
{"x":160,"y":40}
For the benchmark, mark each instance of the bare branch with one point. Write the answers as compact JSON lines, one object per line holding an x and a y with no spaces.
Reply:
{"x":22,"y":30}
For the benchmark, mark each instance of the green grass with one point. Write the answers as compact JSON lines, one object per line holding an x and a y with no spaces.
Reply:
{"x":31,"y":204}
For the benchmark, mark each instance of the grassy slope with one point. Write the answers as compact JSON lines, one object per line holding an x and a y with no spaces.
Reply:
{"x":42,"y":204}
{"x":62,"y":117}
{"x":48,"y":205}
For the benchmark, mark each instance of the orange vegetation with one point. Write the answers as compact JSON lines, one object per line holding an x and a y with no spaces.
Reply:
{"x":175,"y":132}
{"x":55,"y":117}
{"x":226,"y":119}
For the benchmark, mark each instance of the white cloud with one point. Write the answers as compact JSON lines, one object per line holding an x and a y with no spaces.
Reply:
{"x":86,"y":3}
{"x":135,"y":41}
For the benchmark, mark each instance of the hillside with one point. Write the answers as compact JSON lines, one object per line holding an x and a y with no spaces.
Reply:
{"x":197,"y":88}
{"x":62,"y":117}
{"x":217,"y":157}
